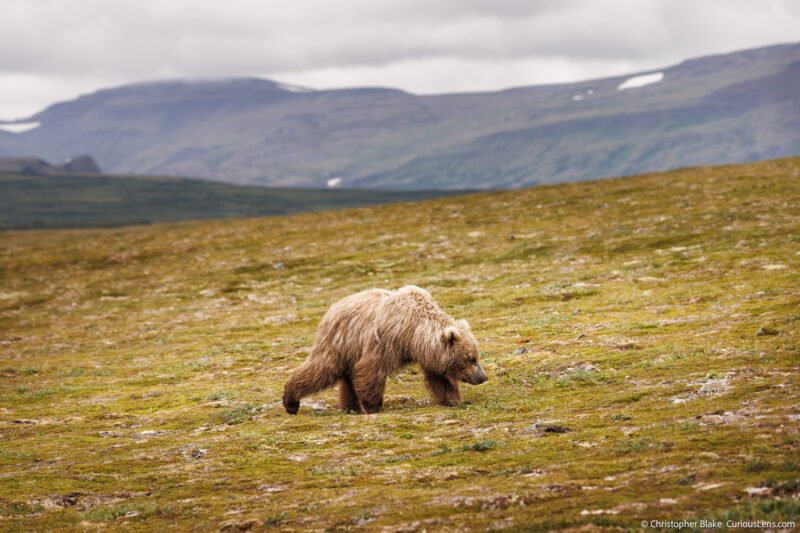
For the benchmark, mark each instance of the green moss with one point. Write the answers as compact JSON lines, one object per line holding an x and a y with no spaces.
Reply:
{"x":221,"y":395}
{"x":275,"y":519}
{"x":20,"y":508}
{"x":444,"y":450}
{"x":757,"y":465}
{"x":787,"y":510}
{"x":239,"y":414}
{"x":131,"y":512}
{"x":480,"y":446}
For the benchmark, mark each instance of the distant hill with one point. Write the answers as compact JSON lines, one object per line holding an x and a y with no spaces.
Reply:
{"x":56,"y":200}
{"x":736,"y":107}
{"x":83,"y":164}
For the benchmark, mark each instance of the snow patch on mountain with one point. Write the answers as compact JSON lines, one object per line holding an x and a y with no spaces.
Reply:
{"x":641,"y":81}
{"x":20,"y":127}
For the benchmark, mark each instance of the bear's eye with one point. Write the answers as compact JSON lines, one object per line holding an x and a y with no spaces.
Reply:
{"x":473,"y":361}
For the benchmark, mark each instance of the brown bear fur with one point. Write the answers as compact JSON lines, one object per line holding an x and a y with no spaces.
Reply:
{"x":365,"y":337}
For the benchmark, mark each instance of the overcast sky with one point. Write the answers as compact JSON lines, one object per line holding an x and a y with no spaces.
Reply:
{"x":53,"y":50}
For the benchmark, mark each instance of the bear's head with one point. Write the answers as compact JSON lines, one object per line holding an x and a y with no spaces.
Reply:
{"x":461,"y":354}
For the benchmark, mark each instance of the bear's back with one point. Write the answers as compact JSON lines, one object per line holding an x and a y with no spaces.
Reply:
{"x":396,"y":323}
{"x":410,"y":319}
{"x":349,"y":325}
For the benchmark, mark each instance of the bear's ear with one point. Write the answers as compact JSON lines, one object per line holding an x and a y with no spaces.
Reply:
{"x":463,"y":324}
{"x":449,"y":335}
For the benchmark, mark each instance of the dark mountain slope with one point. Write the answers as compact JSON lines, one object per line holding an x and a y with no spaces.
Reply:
{"x":58,"y":200}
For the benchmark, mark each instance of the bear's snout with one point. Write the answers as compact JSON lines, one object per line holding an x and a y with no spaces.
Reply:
{"x":477,"y":377}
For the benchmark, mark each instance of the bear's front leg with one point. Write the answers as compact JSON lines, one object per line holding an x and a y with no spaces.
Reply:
{"x":444,"y":391}
{"x":369,"y":384}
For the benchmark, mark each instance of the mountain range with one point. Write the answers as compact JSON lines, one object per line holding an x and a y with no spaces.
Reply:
{"x":736,"y":107}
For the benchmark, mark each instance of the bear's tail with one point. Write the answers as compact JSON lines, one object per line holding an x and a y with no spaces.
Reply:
{"x":310,"y":377}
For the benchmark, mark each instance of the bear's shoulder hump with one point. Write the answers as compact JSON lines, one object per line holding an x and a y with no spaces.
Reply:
{"x":413,"y":289}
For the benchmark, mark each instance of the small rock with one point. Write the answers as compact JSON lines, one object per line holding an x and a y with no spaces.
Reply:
{"x":708,"y":455}
{"x":510,"y":237}
{"x":279,"y":265}
{"x":557,"y":429}
{"x":271,"y":487}
{"x":70,"y":499}
{"x":707,"y":486}
{"x":149,"y":433}
{"x":583,"y":367}
{"x":765,"y":331}
{"x":628,"y":346}
{"x":667,"y":501}
{"x":520,"y":351}
{"x":69,"y":295}
{"x":245,"y":525}
{"x":500,"y":502}
{"x":280,"y":319}
{"x":248,"y":524}
{"x":581,"y":336}
{"x":533,"y":428}
{"x":194,"y":453}
{"x":758,"y":492}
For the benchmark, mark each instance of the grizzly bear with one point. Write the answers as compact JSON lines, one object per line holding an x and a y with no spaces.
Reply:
{"x":365,"y":337}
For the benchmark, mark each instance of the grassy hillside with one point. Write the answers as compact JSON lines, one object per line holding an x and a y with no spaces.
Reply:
{"x":39,"y":201}
{"x":640,"y":334}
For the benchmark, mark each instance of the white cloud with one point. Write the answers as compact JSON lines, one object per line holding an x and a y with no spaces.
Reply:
{"x":22,"y":95}
{"x":55,"y":50}
{"x":441,"y":74}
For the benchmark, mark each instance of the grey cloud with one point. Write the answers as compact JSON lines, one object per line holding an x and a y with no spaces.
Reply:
{"x":208,"y":38}
{"x":140,"y":40}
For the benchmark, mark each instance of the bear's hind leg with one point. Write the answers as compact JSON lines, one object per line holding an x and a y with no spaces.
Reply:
{"x":348,"y":401}
{"x":444,"y":391}
{"x":310,"y":377}
{"x":369,"y":387}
